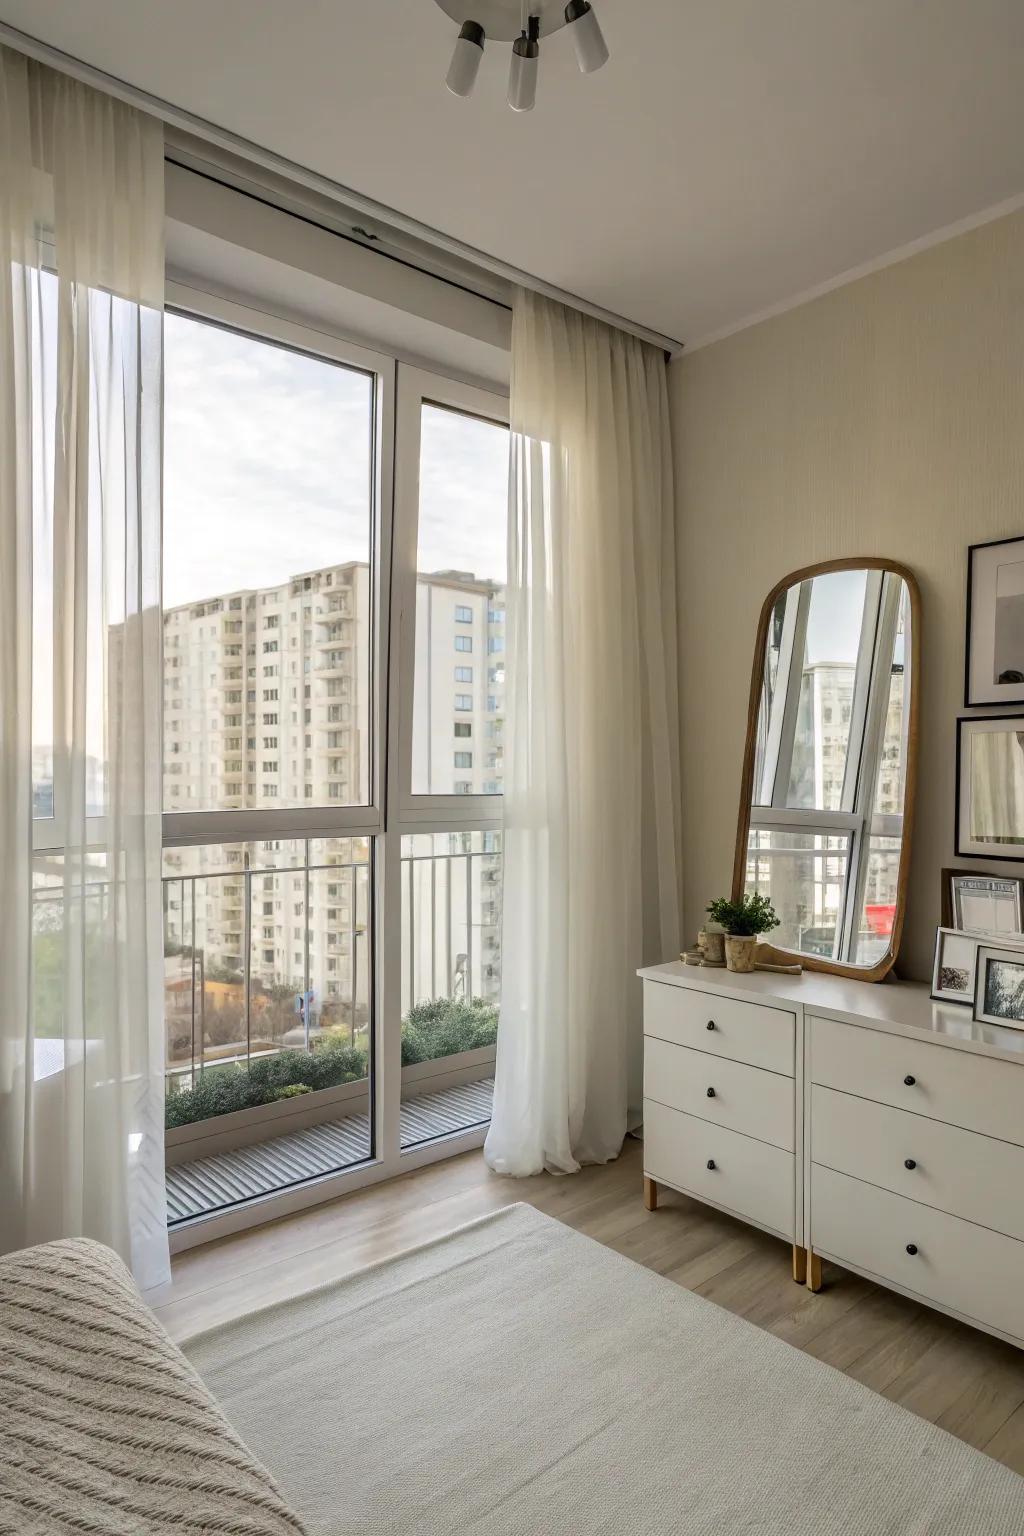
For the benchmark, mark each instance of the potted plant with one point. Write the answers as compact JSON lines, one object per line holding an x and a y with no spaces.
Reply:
{"x":742,"y":920}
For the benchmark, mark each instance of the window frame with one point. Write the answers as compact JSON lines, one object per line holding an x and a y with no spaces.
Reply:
{"x":192,"y":828}
{"x":392,"y":812}
{"x":418,"y":387}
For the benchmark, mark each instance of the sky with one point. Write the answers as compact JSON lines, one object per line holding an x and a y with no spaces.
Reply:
{"x":267,"y":469}
{"x":835,"y":617}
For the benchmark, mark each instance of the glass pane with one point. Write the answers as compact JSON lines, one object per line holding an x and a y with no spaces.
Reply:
{"x":832,"y":642}
{"x":458,"y":702}
{"x":79,"y":887}
{"x":102,"y":542}
{"x":874,"y":932}
{"x":44,"y":416}
{"x":773,"y":688}
{"x":451,"y":977}
{"x":267,"y":1000}
{"x":803,"y":874}
{"x":268,"y":458}
{"x":890,"y":782}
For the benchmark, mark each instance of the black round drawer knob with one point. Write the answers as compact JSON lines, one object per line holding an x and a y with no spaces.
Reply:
{"x":910,"y":1080}
{"x":909,"y":1162}
{"x":911,"y":1249}
{"x":711,"y":1093}
{"x":711,"y":1023}
{"x":711,"y":1163}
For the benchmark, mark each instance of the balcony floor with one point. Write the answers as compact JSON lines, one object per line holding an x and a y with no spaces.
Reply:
{"x":263,"y":1168}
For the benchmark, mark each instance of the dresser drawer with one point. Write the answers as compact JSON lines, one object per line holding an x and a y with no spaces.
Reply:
{"x":958,"y":1171}
{"x":944,"y":1084}
{"x":749,"y":1177}
{"x":750,"y":1032}
{"x":726,"y":1092}
{"x":969,"y":1269}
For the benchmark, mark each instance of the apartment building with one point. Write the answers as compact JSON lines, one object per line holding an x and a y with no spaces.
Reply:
{"x":266,"y":704}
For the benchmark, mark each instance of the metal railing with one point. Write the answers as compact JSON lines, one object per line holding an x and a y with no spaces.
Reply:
{"x":241,"y":982}
{"x":451,"y":918}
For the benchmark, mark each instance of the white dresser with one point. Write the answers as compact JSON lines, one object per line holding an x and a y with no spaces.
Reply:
{"x":860,"y":1123}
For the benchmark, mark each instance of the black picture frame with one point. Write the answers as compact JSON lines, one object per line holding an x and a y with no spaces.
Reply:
{"x":969,"y":701}
{"x":964,"y":721}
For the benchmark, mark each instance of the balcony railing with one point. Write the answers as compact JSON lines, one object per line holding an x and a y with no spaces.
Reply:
{"x":232,"y":995}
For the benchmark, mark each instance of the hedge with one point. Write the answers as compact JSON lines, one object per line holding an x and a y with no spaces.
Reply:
{"x":439,"y":1028}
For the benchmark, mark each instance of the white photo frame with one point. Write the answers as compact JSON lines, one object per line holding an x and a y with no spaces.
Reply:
{"x":986,"y":903}
{"x":990,"y":787}
{"x":999,"y":987}
{"x":994,"y":672}
{"x":954,"y":966}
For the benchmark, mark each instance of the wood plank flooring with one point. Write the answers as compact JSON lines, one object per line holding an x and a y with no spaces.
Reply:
{"x":963,"y":1380}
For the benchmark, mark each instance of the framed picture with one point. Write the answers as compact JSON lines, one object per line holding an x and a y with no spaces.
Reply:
{"x":990,"y":787}
{"x":999,"y":986}
{"x":956,"y":956}
{"x":982,"y":903}
{"x":994,"y":672}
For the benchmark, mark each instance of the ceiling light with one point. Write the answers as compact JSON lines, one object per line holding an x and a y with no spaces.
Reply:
{"x":591,"y":48}
{"x":466,"y":56}
{"x":523,"y":71}
{"x":523,"y":24}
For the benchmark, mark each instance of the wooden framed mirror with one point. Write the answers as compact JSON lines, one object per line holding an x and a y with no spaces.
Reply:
{"x":829,"y":769}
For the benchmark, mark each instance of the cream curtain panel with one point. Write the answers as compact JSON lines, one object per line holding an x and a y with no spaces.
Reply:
{"x":591,"y":877}
{"x":81,"y":327}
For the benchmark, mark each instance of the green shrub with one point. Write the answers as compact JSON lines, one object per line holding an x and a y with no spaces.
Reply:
{"x":439,"y":1028}
{"x":222,"y":1091}
{"x":447,"y":1025}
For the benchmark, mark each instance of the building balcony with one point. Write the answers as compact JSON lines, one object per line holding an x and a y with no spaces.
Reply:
{"x":199,"y":1185}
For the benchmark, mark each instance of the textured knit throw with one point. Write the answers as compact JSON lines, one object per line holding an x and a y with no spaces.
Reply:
{"x":104,"y":1425}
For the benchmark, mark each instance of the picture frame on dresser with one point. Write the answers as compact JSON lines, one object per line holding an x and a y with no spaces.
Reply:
{"x":990,"y":787}
{"x":994,"y":661}
{"x":955,"y":965}
{"x":999,"y":986}
{"x":975,"y":902}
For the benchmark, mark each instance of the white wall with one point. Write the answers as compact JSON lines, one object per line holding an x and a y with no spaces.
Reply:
{"x":885,"y":418}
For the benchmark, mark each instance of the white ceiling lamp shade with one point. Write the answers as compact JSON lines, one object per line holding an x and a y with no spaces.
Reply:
{"x":588,"y":39}
{"x":523,"y":70}
{"x":523,"y":23}
{"x":466,"y":56}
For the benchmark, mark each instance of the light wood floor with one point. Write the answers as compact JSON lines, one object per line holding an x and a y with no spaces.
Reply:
{"x":967,"y":1382}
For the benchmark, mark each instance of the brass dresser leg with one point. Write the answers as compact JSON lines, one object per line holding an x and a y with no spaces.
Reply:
{"x":650,"y":1194}
{"x":813,"y":1271}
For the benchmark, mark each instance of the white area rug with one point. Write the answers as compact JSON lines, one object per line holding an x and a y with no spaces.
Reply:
{"x":515,"y":1377}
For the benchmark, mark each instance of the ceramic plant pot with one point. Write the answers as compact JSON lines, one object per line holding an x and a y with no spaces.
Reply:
{"x":740,"y":950}
{"x":714,"y":947}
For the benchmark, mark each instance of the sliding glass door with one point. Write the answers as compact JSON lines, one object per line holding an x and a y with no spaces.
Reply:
{"x":451,"y":552}
{"x":333,"y":699}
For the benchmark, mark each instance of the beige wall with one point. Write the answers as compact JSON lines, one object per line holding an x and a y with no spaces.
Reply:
{"x":886,"y":418}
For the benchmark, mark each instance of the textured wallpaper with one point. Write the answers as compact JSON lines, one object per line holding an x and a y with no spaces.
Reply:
{"x":886,"y":418}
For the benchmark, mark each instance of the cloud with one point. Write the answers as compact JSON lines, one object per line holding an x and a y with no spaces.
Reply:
{"x":268,"y":469}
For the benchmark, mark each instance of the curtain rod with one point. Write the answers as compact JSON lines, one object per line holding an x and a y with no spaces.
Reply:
{"x":315,"y":181}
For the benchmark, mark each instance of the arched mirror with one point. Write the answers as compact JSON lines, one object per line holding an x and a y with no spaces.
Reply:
{"x":828,"y":777}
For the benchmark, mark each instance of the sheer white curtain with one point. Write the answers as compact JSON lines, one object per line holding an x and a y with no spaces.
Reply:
{"x":81,"y":331}
{"x":591,"y":768}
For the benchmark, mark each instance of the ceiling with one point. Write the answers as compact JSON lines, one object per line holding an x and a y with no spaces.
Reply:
{"x":732,"y":155}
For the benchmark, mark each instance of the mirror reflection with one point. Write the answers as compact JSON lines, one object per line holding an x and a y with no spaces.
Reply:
{"x":830,"y":764}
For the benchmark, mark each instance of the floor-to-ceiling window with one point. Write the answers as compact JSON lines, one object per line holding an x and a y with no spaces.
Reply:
{"x":452,"y":517}
{"x":333,"y":699}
